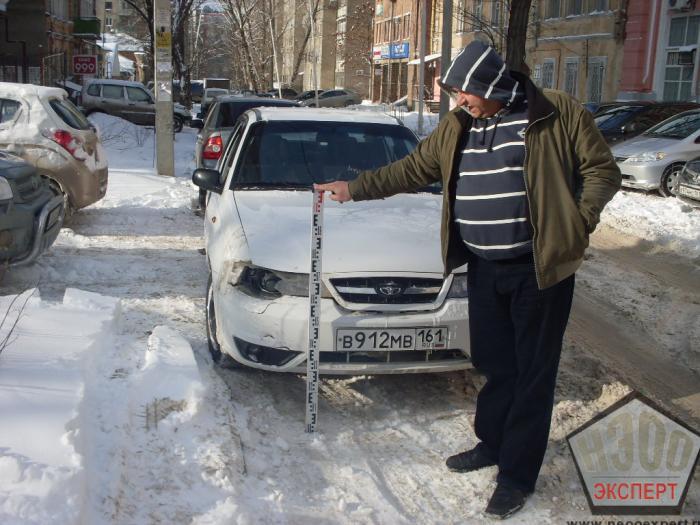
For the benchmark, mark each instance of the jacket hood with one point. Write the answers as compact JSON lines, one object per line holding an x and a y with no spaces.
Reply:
{"x":479,"y":70}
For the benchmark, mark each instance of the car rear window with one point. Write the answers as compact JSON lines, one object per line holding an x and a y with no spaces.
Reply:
{"x":69,"y":114}
{"x":8,"y":109}
{"x":282,"y":152}
{"x":94,"y":90}
{"x":230,"y":111}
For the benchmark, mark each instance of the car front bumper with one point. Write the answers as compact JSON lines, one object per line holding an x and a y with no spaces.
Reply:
{"x":281,"y":325}
{"x":643,"y":176}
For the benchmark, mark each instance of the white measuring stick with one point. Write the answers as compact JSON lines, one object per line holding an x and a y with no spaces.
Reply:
{"x":314,"y":312}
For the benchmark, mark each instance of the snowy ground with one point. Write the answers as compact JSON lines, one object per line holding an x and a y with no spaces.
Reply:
{"x":113,"y":413}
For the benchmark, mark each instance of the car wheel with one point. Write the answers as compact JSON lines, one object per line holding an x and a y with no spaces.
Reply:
{"x":177,"y":124}
{"x":667,"y":186}
{"x":220,"y":358}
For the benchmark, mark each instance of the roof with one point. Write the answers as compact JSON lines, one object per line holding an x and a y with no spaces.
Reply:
{"x":30,"y":89}
{"x":240,"y":99}
{"x":324,"y":115}
{"x":116,"y":82}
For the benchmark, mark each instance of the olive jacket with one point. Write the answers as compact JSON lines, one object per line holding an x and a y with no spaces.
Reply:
{"x":570,"y":175}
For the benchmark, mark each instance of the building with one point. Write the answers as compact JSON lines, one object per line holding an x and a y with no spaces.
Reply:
{"x":40,"y":37}
{"x":394,"y":44}
{"x":577,"y":46}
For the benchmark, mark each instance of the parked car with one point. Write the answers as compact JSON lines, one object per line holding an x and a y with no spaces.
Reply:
{"x":618,"y":122}
{"x":287,"y":93}
{"x":335,"y":98}
{"x":128,"y":100}
{"x":44,"y":128}
{"x":654,"y":160}
{"x":210,"y":95}
{"x":385,"y":309}
{"x":308,"y":95}
{"x":31,"y":214}
{"x":216,"y":130}
{"x":688,"y":183}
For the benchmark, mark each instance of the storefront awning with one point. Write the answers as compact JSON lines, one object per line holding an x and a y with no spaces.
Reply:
{"x":428,"y":58}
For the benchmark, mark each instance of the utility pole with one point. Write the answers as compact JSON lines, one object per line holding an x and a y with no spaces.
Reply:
{"x":165,"y":163}
{"x":446,"y":54}
{"x":274,"y":59}
{"x":314,"y":73}
{"x":421,"y":67}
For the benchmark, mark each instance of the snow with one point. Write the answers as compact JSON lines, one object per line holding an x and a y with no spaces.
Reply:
{"x":113,"y":413}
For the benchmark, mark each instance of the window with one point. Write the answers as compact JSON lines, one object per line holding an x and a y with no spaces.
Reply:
{"x":496,"y":13}
{"x":575,"y":7}
{"x":598,"y":6}
{"x":596,"y":77}
{"x":8,"y":109}
{"x":462,"y":16}
{"x":94,"y":90}
{"x":678,"y":128}
{"x":110,"y":91}
{"x":571,"y":76}
{"x":108,"y":20}
{"x":108,"y":6}
{"x":548,"y":73}
{"x":138,"y":95}
{"x":679,"y":75}
{"x":537,"y":74}
{"x":553,"y":9}
{"x":406,"y":26}
{"x":477,"y":15}
{"x":69,"y":114}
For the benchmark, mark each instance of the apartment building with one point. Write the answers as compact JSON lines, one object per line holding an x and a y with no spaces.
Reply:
{"x":577,"y":46}
{"x":395,"y":42}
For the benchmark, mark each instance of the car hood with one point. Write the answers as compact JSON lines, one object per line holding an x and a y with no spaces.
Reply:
{"x":399,"y":234}
{"x":643,"y":144}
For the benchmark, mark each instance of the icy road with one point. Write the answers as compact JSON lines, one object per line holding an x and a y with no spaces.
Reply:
{"x":112,"y":412}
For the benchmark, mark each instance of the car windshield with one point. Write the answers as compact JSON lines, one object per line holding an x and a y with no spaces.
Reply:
{"x":678,"y":127}
{"x":230,"y":111}
{"x":297,"y":154}
{"x":613,"y":119}
{"x":69,"y":114}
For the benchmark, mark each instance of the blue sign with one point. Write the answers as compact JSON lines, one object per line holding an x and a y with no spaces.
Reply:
{"x":396,"y":51}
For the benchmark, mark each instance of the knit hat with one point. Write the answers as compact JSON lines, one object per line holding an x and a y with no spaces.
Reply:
{"x":479,"y":70}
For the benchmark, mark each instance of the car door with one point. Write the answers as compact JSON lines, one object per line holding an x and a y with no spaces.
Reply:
{"x":140,"y":106}
{"x":113,"y":101}
{"x":221,"y":222}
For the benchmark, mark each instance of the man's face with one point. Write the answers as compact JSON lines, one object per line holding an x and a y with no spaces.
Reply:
{"x":476,"y":106}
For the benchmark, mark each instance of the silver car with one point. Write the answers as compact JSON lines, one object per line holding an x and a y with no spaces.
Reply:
{"x":654,"y":159}
{"x":334,"y":98}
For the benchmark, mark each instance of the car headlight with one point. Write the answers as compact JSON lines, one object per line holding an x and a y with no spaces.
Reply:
{"x":647,"y":157}
{"x":5,"y":189}
{"x":270,"y":284}
{"x":458,"y":289}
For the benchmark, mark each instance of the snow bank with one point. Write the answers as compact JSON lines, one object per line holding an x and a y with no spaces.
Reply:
{"x":42,"y":372}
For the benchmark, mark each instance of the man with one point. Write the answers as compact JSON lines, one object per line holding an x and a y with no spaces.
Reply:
{"x":525,"y":176}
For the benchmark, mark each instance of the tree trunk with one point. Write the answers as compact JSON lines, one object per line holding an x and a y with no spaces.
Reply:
{"x":517,"y":35}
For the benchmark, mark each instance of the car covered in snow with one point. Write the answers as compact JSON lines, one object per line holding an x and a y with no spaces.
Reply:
{"x":31,"y":214}
{"x":40,"y":125}
{"x":386,"y":306}
{"x":654,"y":159}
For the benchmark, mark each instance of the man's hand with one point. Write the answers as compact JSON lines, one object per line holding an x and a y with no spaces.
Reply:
{"x":339,"y":190}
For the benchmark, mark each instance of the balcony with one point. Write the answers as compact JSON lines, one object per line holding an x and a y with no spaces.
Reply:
{"x":87,"y":27}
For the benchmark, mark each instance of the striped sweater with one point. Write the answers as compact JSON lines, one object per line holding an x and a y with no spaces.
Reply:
{"x":491,"y":206}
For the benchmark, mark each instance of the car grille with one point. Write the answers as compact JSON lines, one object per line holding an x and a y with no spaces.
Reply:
{"x":620,"y":159}
{"x":407,"y":356}
{"x":29,"y":187}
{"x":388,"y":290}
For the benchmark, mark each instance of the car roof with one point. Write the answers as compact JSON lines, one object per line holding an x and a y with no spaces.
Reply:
{"x":323,"y":115}
{"x":116,"y":82}
{"x":13,"y":88}
{"x":249,"y":99}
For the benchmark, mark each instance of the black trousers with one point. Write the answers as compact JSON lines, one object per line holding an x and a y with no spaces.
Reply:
{"x":516,"y":334}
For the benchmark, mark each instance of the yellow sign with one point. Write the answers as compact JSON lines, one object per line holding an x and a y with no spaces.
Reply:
{"x":163,"y":39}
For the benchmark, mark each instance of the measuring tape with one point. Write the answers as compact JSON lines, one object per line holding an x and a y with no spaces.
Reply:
{"x":314,"y":313}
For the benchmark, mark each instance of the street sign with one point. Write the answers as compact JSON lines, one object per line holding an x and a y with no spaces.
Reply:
{"x":84,"y":64}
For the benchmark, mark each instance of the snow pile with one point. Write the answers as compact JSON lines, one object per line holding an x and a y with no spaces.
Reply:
{"x":42,"y":384}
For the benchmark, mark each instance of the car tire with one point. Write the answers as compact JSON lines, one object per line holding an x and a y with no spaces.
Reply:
{"x":668,"y":180}
{"x":222,"y":359}
{"x":177,"y":124}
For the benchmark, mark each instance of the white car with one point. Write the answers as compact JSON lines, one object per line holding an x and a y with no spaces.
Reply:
{"x":655,"y":159}
{"x":385,"y":307}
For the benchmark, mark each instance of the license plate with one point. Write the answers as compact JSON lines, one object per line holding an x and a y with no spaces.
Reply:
{"x":52,"y":218}
{"x":388,"y":339}
{"x":688,"y":192}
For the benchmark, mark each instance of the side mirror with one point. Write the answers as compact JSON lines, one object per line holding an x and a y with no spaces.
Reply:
{"x":208,"y":179}
{"x":197,"y":123}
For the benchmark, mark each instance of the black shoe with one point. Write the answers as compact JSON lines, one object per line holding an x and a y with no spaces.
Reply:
{"x":473,"y":459}
{"x":505,"y":501}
